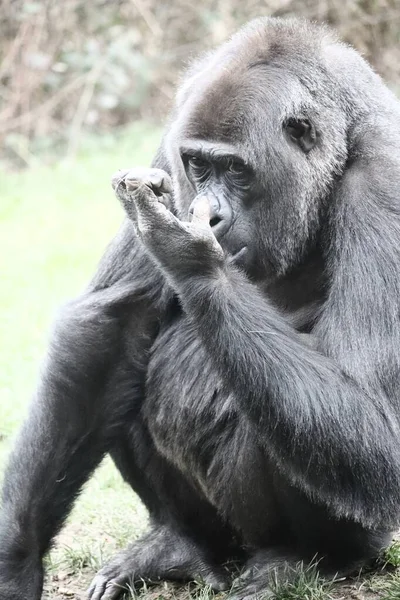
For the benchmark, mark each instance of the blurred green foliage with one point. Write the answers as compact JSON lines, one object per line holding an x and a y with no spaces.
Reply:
{"x":74,"y":66}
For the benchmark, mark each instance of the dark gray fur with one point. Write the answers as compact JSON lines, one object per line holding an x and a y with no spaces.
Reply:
{"x":250,"y":398}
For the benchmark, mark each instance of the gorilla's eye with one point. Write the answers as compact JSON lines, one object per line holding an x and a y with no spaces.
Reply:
{"x":238,"y":173}
{"x":197,"y":163}
{"x":236,"y":168}
{"x":302,"y":132}
{"x":199,"y":169}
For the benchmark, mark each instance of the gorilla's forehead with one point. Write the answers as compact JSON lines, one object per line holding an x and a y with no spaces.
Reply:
{"x":237,"y":107}
{"x":252,"y":83}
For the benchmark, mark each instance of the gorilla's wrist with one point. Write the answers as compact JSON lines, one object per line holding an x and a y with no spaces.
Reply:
{"x":193,"y":267}
{"x":198,"y":290}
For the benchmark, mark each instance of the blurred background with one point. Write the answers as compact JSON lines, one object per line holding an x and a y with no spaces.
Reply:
{"x":85,"y":86}
{"x":78,"y":66}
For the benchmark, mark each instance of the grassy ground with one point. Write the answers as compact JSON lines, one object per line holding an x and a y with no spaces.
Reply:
{"x":54,"y":225}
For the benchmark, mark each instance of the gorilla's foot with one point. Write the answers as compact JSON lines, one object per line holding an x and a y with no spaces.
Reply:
{"x":161,"y":554}
{"x":263,"y":572}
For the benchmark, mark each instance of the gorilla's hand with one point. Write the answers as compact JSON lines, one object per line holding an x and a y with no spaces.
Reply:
{"x":180,"y":248}
{"x":126,"y":181}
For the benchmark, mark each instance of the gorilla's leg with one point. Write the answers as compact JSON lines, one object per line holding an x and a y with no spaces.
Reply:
{"x":187,"y":539}
{"x":310,"y":537}
{"x":268,"y":568}
{"x":70,"y":426}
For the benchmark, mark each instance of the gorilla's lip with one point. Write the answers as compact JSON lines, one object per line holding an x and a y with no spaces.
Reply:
{"x":238,"y":256}
{"x":240,"y":253}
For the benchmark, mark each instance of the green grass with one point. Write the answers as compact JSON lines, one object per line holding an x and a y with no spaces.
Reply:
{"x":302,"y":582}
{"x":386,"y":585}
{"x":54,"y":225}
{"x":391,"y":556}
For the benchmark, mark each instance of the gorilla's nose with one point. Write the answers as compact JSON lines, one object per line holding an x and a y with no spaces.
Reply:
{"x":220,"y":215}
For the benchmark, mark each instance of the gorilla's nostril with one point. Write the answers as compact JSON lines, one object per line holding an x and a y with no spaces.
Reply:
{"x":214,"y":221}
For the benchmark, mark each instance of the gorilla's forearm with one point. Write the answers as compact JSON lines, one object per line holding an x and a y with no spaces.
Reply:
{"x":330,"y":435}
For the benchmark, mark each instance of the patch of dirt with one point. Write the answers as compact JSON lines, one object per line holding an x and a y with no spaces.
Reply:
{"x":69,"y":586}
{"x":348,"y":590}
{"x":65,"y":585}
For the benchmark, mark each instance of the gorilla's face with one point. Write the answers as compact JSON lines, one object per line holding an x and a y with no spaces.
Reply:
{"x":264,"y":148}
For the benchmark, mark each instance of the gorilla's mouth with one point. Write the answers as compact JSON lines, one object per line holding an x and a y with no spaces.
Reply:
{"x":240,"y":257}
{"x":240,"y":253}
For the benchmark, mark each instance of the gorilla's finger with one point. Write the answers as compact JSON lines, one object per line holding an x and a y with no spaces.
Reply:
{"x":160,"y":182}
{"x":201,"y":212}
{"x":118,"y":178}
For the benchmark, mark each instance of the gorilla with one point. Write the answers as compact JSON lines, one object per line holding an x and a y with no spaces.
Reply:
{"x":238,"y":351}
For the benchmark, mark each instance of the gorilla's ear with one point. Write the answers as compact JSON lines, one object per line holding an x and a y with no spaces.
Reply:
{"x":302,"y":132}
{"x":360,"y":323}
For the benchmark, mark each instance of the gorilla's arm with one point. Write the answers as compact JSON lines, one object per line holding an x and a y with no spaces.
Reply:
{"x":328,"y":416}
{"x":330,"y":436}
